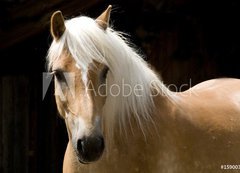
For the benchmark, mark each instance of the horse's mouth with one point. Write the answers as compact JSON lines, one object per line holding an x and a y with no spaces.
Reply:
{"x":86,"y":161}
{"x":81,"y":160}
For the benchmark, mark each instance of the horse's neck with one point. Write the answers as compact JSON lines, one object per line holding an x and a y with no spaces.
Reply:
{"x":162,"y":119}
{"x":132,"y":142}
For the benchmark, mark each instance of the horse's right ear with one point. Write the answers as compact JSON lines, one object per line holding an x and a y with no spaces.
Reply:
{"x":103,"y":19}
{"x":57,"y":25}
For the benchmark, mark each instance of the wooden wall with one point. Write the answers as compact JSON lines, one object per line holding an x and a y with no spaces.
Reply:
{"x":14,"y":123}
{"x":33,"y":137}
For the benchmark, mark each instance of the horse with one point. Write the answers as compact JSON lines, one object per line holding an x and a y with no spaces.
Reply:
{"x":119,"y":115}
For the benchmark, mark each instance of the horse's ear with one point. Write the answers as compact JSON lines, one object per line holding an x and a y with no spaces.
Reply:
{"x":103,"y":19}
{"x":57,"y":25}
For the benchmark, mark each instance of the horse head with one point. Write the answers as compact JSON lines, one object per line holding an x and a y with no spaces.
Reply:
{"x":76,"y":87}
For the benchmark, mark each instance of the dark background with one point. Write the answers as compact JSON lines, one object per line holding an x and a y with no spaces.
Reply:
{"x":187,"y":41}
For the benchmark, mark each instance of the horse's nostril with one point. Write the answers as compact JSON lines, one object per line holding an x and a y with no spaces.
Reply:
{"x":80,"y":146}
{"x":90,"y":148}
{"x":101,"y":143}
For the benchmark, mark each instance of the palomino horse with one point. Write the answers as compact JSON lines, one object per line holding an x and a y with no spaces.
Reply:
{"x":120,"y":116}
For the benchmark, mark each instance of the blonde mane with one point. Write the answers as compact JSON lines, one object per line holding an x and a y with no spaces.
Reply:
{"x":86,"y":41}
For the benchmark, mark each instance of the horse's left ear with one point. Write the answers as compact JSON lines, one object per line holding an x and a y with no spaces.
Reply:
{"x":57,"y":25}
{"x":103,"y":19}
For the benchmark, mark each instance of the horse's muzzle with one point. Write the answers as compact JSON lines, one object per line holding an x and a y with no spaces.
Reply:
{"x":90,"y":148}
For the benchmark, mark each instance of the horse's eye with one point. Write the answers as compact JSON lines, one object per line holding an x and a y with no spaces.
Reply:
{"x":59,"y":75}
{"x":103,"y":74}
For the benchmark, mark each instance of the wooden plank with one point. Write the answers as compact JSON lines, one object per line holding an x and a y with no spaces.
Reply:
{"x":7,"y":124}
{"x":34,"y":112}
{"x":21,"y":114}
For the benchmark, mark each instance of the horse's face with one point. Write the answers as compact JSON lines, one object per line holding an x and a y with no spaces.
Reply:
{"x":79,"y":103}
{"x":79,"y":93}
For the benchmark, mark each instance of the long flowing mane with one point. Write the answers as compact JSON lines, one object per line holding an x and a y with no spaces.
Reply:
{"x":86,"y":41}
